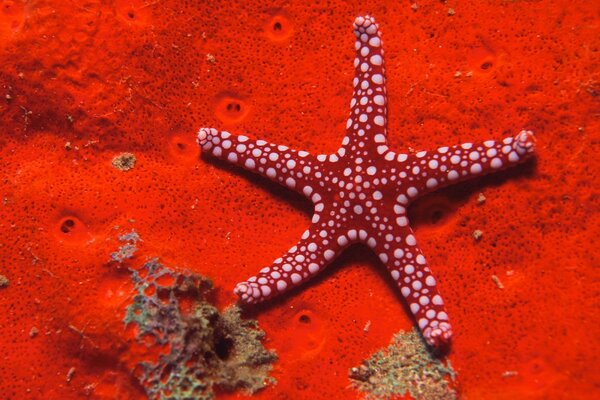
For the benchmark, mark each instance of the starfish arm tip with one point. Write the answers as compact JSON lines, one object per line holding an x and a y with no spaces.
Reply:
{"x":241,"y":288}
{"x":204,"y":136}
{"x":363,"y":21}
{"x":439,"y":336}
{"x":250,"y":292}
{"x":525,"y":142}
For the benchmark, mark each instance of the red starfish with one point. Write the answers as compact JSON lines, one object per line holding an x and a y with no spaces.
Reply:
{"x":360,"y":193}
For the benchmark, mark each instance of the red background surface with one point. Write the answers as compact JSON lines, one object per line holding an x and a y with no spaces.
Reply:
{"x":142,"y":77}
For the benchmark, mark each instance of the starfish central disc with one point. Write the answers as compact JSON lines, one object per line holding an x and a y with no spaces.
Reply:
{"x":360,"y":193}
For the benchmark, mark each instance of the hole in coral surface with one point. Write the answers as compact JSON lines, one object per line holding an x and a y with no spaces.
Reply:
{"x":67,"y":225}
{"x":278,"y":28}
{"x":231,"y":109}
{"x":305,"y":319}
{"x":183,"y":148}
{"x":486,"y":65}
{"x":483,"y":58}
{"x":234,"y":107}
{"x":433,"y":211}
{"x":133,"y":12}
{"x":71,"y":229}
{"x":223,"y":347}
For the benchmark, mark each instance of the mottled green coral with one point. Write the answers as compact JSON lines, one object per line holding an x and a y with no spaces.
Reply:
{"x":406,"y":366}
{"x":201,"y":347}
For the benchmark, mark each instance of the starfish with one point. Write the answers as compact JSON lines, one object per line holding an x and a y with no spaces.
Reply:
{"x":360,"y":193}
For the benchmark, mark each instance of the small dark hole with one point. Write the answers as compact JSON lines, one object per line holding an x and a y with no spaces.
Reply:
{"x":223,"y":347}
{"x":181,"y":146}
{"x":131,"y":15}
{"x":234,"y":107}
{"x":486,"y":65}
{"x":67,"y":225}
{"x":277,"y":26}
{"x":436,"y":216}
{"x":305,"y":319}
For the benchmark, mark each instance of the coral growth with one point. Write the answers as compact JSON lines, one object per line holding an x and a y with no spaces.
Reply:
{"x":204,"y":348}
{"x":406,"y":366}
{"x":124,"y":161}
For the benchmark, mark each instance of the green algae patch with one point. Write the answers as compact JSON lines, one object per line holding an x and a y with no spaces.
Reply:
{"x":406,"y":366}
{"x":192,"y":347}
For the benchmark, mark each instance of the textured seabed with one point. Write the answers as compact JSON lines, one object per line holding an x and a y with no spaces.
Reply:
{"x":82,"y":83}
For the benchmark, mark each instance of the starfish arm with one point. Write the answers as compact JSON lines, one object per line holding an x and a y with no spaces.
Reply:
{"x":366,"y":126}
{"x":278,"y":163}
{"x":311,"y":254}
{"x":408,"y":267}
{"x":448,"y":165}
